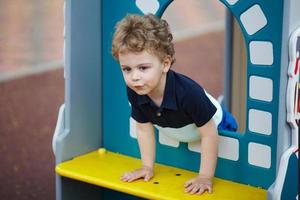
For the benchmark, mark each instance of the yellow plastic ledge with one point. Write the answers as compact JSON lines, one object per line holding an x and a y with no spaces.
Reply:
{"x":104,"y":168}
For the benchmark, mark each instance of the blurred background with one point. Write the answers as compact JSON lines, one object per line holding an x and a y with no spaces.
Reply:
{"x":32,"y":83}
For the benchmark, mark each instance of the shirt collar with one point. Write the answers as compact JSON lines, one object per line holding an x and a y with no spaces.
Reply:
{"x":143,"y":99}
{"x":169,"y":99}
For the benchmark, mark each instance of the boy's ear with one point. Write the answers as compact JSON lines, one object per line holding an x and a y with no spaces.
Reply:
{"x":167,"y":63}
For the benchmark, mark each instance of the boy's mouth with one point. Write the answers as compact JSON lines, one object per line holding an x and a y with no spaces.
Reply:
{"x":138,"y":87}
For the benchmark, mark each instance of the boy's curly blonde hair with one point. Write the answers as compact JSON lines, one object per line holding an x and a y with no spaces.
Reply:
{"x":136,"y":33}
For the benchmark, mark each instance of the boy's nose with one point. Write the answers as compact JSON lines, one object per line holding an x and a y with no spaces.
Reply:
{"x":135,"y":76}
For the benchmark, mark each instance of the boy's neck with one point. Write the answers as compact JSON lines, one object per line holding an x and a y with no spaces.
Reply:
{"x":157,"y":95}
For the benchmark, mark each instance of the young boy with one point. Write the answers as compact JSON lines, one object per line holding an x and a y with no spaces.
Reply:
{"x":166,"y":99}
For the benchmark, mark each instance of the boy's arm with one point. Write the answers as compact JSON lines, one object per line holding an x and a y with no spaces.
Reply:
{"x":146,"y":141}
{"x":209,"y":154}
{"x":209,"y":149}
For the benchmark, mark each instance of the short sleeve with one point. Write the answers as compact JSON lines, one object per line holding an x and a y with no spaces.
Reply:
{"x":136,"y":112}
{"x":198,"y":106}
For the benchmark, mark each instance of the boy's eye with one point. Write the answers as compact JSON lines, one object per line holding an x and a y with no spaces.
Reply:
{"x":126,"y":69}
{"x":143,"y":68}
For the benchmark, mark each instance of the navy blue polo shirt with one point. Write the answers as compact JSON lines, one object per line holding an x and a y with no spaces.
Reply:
{"x":184,"y":103}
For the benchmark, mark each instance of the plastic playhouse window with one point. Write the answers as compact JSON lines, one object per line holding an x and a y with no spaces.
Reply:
{"x":199,"y":35}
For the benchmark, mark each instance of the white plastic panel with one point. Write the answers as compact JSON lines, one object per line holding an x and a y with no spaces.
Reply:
{"x":261,"y":88}
{"x":261,"y":52}
{"x":253,"y":19}
{"x":228,"y":148}
{"x":147,"y":6}
{"x":259,"y":155}
{"x":165,"y":140}
{"x":260,"y":121}
{"x":195,"y":146}
{"x":60,"y":126}
{"x":132,"y":127}
{"x":232,"y":2}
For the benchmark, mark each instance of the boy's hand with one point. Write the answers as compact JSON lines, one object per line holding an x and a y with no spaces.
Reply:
{"x":145,"y":172}
{"x":198,"y":185}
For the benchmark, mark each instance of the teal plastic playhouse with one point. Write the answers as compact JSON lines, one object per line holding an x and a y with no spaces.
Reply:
{"x":265,"y":157}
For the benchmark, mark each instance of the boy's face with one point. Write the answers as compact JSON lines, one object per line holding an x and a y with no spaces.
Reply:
{"x":144,"y":72}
